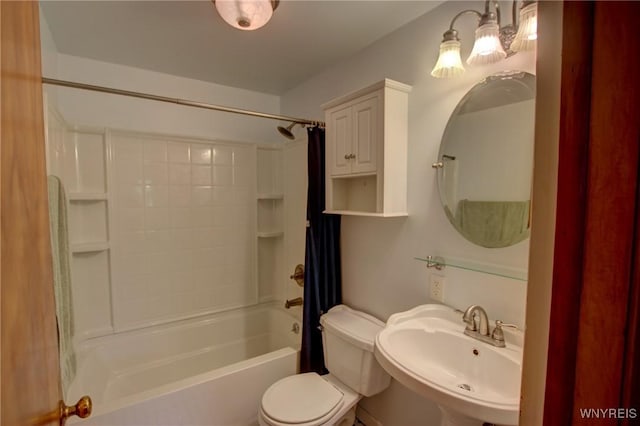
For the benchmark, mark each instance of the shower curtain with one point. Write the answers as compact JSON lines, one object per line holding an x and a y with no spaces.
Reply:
{"x":322,"y":275}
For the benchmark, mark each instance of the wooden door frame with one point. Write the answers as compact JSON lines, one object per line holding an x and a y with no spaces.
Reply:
{"x":29,"y":363}
{"x":593,"y":335}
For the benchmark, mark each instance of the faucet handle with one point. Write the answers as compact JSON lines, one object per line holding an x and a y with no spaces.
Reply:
{"x":497,"y":333}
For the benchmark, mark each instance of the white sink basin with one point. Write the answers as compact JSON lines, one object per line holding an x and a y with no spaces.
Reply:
{"x":426,"y":349}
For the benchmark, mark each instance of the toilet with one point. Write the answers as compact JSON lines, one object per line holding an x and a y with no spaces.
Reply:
{"x":312,"y":400}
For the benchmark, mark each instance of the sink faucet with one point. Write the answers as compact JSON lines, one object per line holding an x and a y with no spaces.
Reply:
{"x":469,"y":318}
{"x":480,"y":330}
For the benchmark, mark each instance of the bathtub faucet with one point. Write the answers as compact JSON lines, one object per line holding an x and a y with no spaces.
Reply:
{"x":293,"y":302}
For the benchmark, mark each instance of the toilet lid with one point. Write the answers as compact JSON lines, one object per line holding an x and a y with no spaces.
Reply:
{"x":301,"y":398}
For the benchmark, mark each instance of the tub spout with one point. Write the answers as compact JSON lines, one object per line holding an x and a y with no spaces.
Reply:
{"x":293,"y":302}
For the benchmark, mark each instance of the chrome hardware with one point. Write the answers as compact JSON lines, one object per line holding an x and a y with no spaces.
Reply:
{"x":295,"y":328}
{"x":480,"y":330}
{"x":293,"y":302}
{"x":298,"y":275}
{"x":469,"y":318}
{"x":435,"y":262}
{"x":498,"y":335}
{"x":82,"y":409}
{"x":440,"y":164}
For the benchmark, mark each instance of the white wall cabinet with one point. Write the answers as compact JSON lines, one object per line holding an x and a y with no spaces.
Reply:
{"x":366,"y":151}
{"x":354,"y":133}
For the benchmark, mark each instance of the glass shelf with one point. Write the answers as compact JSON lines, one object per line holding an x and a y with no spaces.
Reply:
{"x":485,"y":268}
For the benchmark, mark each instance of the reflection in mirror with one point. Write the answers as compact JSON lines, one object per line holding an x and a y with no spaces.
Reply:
{"x":486,"y":158}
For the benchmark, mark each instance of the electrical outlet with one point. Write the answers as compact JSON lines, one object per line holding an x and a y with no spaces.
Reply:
{"x":437,"y":288}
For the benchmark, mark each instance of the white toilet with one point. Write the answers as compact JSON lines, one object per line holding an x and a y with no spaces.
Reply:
{"x":312,"y":400}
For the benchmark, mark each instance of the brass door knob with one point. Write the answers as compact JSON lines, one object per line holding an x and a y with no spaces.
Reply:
{"x":82,"y":409}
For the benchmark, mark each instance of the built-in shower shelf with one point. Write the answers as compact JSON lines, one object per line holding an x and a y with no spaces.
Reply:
{"x":89,"y":247}
{"x":274,"y":196}
{"x":270,"y":234}
{"x":87,"y":196}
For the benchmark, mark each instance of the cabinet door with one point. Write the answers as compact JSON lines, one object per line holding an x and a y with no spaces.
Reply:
{"x":339,"y":125}
{"x":365,"y":136}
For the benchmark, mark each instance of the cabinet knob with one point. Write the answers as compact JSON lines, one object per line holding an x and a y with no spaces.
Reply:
{"x":347,"y":156}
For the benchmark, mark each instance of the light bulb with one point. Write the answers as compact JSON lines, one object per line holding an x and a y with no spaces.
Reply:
{"x":487,"y":48}
{"x":528,"y":30}
{"x":449,"y":63}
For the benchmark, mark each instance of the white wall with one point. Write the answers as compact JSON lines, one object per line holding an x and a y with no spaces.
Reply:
{"x":380,"y":275}
{"x":295,"y":188}
{"x":182,"y":228}
{"x":49,"y":57}
{"x":82,"y":107}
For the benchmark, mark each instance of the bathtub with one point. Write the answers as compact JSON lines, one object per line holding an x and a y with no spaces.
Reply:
{"x":207,"y":371}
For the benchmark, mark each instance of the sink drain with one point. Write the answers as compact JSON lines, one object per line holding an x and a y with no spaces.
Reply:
{"x":465,"y":387}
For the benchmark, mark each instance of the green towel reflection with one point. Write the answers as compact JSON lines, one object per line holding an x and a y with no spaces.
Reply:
{"x":493,"y":223}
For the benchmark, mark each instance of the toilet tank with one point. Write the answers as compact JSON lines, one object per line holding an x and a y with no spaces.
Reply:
{"x":348,"y":336}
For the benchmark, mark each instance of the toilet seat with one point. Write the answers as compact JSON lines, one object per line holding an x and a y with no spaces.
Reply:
{"x":303,"y":400}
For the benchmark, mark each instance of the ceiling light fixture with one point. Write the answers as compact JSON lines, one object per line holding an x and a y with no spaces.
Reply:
{"x":246,"y":15}
{"x":493,"y":42}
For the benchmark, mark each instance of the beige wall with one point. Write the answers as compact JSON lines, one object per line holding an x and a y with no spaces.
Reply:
{"x":544,"y":208}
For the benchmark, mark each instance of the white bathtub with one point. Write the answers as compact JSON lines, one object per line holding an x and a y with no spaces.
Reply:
{"x":207,"y":371}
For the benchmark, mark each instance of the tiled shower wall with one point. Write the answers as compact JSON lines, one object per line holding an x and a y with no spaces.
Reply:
{"x":183,"y":228}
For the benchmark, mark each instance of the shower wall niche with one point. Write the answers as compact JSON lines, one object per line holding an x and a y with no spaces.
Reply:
{"x":164,"y":228}
{"x":270,"y":235}
{"x":78,"y":157}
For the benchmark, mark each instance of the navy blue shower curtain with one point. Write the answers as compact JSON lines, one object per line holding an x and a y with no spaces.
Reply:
{"x":322,"y":275}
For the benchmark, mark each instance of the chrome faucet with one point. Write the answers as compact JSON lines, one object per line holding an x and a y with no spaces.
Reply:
{"x":469,"y":318}
{"x":480,"y":329}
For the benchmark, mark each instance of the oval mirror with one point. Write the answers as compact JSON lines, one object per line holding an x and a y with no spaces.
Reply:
{"x":486,"y":158}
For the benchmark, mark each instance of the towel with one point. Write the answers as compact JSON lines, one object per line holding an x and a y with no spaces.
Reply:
{"x":493,"y":223}
{"x":62,"y":278}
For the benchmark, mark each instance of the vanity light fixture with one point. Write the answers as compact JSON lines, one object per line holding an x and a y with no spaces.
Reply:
{"x":493,"y":42}
{"x":528,"y":30}
{"x":246,"y":15}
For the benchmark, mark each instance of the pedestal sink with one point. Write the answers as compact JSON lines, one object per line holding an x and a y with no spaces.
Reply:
{"x":473,"y":382}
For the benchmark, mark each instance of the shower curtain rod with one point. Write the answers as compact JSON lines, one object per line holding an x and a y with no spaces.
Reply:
{"x":184,"y":102}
